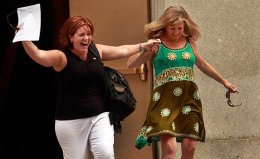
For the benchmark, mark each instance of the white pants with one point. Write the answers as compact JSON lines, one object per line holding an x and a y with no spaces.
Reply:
{"x":75,"y":136}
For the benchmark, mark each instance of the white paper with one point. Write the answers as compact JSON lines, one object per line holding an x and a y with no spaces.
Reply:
{"x":29,"y":22}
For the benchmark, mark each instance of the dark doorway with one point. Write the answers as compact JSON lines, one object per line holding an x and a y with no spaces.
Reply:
{"x":28,"y":90}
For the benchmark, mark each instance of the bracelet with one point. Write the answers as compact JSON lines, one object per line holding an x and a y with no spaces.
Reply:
{"x":141,"y":49}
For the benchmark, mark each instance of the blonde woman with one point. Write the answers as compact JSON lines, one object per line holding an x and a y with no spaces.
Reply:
{"x":175,"y":110}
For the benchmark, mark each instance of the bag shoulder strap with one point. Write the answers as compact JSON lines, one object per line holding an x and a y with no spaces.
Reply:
{"x":93,"y":49}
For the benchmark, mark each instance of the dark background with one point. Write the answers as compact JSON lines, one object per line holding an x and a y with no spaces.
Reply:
{"x":28,"y":90}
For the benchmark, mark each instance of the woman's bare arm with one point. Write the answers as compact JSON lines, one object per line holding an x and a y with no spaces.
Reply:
{"x":50,"y":58}
{"x":209,"y":70}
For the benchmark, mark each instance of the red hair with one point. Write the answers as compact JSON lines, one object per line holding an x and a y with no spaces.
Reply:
{"x":70,"y":26}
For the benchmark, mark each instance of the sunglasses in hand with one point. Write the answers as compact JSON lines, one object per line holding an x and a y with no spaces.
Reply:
{"x":229,"y":100}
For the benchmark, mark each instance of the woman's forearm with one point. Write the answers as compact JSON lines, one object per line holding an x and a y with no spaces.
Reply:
{"x":32,"y":50}
{"x":213,"y":73}
{"x":138,"y":59}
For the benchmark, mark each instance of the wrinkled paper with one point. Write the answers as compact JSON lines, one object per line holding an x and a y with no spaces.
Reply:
{"x":29,"y":22}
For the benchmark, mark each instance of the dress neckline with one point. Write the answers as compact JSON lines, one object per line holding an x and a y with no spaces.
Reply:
{"x":186,"y":44}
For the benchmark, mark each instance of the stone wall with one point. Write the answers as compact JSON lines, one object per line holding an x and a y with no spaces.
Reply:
{"x":230,"y":42}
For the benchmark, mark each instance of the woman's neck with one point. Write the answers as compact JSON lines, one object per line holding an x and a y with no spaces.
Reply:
{"x":81,"y":55}
{"x":174,"y":43}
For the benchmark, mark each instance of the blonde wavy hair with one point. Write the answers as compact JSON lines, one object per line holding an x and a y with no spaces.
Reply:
{"x":172,"y":15}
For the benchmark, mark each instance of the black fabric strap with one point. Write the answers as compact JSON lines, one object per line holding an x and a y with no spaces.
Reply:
{"x":93,"y":49}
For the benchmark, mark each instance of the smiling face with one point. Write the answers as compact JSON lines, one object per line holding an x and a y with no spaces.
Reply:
{"x":81,"y":39}
{"x":76,"y":33}
{"x":175,"y":31}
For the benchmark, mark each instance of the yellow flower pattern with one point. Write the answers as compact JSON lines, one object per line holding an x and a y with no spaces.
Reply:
{"x":172,"y":56}
{"x":186,"y":55}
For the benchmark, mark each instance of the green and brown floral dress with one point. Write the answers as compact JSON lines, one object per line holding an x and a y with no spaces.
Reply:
{"x":175,"y":107}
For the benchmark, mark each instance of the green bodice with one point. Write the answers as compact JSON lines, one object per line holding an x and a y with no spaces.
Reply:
{"x":173,"y":64}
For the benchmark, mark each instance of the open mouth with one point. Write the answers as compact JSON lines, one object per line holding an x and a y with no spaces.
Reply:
{"x":84,"y":44}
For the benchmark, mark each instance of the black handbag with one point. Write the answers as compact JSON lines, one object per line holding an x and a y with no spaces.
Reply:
{"x":119,"y":96}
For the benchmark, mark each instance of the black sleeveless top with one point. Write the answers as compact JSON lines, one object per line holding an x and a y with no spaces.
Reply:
{"x":81,"y":88}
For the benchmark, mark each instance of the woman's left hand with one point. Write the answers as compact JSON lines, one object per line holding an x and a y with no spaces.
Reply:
{"x":230,"y":87}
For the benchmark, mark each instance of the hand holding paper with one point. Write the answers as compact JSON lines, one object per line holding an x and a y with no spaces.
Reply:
{"x":29,"y":23}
